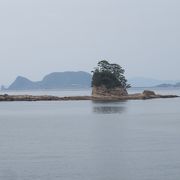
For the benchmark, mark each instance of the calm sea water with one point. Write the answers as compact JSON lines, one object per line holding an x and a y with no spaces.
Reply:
{"x":85,"y":140}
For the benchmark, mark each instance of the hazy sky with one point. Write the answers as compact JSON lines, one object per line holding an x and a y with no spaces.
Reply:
{"x":42,"y":36}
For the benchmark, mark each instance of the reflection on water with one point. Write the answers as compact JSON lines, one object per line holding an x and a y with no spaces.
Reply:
{"x":109,"y":107}
{"x":8,"y":175}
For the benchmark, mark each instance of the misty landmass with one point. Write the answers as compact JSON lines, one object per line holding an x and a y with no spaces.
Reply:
{"x":56,"y":80}
{"x":151,"y":82}
{"x":169,"y":85}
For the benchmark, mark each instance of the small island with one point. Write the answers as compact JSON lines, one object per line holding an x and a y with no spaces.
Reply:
{"x":108,"y":84}
{"x":109,"y":80}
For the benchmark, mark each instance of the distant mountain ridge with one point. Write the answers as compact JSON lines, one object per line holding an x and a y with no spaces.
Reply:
{"x":149,"y":82}
{"x":56,"y":80}
{"x":169,"y":85}
{"x":80,"y":79}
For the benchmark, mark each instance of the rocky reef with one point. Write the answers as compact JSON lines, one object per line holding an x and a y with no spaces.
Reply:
{"x":97,"y":97}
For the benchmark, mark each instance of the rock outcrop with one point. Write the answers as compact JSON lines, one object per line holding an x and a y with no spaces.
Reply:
{"x":103,"y":91}
{"x":149,"y":93}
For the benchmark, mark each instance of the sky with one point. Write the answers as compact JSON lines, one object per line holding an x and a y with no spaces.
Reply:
{"x":38,"y":37}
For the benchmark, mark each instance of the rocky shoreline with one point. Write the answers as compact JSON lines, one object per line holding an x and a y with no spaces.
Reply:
{"x":140,"y":96}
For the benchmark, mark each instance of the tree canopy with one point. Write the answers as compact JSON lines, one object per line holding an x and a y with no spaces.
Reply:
{"x":109,"y":75}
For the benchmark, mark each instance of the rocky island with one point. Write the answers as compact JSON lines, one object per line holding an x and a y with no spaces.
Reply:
{"x":108,"y":84}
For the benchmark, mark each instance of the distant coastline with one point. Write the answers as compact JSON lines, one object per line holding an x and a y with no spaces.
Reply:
{"x":177,"y":85}
{"x":53,"y":81}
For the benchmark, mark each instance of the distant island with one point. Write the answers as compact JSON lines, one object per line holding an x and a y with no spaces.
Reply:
{"x":164,"y":85}
{"x":56,"y":80}
{"x":151,"y":82}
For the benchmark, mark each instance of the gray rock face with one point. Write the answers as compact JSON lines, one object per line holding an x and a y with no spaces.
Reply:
{"x":103,"y":91}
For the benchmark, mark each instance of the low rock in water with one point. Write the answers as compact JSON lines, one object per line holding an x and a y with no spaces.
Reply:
{"x":149,"y":93}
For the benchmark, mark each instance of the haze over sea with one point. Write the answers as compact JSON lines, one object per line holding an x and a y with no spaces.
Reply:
{"x":85,"y":140}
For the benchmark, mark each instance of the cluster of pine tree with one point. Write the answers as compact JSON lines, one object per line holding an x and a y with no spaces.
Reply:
{"x":109,"y":75}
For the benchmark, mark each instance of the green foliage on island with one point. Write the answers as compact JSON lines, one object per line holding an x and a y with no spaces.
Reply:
{"x":109,"y":75}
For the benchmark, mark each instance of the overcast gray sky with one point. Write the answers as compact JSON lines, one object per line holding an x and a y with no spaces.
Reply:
{"x":42,"y":36}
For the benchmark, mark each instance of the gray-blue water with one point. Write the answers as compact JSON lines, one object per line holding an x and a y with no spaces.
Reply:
{"x":84,"y":140}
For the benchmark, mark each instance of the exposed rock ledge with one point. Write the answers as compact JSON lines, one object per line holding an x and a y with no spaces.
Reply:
{"x":103,"y":91}
{"x":139,"y":96}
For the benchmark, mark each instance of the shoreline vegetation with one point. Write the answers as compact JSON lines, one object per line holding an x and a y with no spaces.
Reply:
{"x":139,"y":96}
